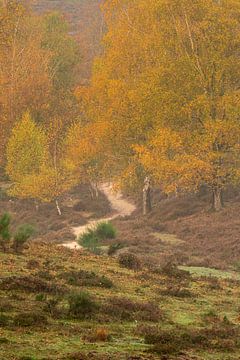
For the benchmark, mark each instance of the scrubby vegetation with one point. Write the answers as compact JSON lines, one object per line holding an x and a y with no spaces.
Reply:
{"x":72,"y":300}
{"x":21,"y":236}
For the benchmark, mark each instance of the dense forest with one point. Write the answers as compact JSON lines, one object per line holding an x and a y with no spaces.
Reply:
{"x":119,"y":179}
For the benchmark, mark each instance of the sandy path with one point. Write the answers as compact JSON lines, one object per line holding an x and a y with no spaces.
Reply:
{"x":120,"y":207}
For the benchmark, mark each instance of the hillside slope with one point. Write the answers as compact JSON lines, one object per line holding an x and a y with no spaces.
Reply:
{"x":186,"y":231}
{"x":117,"y":314}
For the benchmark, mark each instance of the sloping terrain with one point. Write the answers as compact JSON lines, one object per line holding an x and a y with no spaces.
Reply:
{"x":57,"y":303}
{"x":202,"y":237}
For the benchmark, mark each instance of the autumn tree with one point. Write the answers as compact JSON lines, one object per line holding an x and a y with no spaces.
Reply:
{"x":35,"y":168}
{"x":170,"y":67}
{"x":84,"y":153}
{"x":24,"y":78}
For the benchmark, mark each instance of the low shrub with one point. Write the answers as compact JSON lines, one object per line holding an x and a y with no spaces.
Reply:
{"x":177,"y":291}
{"x":4,"y":340}
{"x":113,"y":248}
{"x":30,"y":319}
{"x":99,"y":335}
{"x":30,"y":284}
{"x":170,"y":269}
{"x":23,"y":233}
{"x":217,"y":337}
{"x":128,"y":310}
{"x":4,"y":320}
{"x":211,"y":317}
{"x":81,"y":305}
{"x":51,"y":306}
{"x":87,"y":278}
{"x":33,"y":264}
{"x":45,"y":275}
{"x":129,"y":261}
{"x":5,"y":305}
{"x":40,"y":297}
{"x":102,"y":334}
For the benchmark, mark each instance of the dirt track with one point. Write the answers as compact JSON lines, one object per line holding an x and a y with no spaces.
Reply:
{"x":120,"y":207}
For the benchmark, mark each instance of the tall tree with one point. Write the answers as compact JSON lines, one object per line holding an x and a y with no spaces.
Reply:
{"x":35,"y":162}
{"x":24,"y":78}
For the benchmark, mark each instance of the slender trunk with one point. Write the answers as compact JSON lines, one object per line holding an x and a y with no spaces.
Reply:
{"x":147,"y":204}
{"x":94,"y":190}
{"x":217,"y":203}
{"x":58,"y":208}
{"x":91,"y":191}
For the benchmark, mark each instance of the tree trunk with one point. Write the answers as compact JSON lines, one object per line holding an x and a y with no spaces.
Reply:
{"x":217,"y":204}
{"x":94,"y":190}
{"x":91,"y":191}
{"x":58,"y":208}
{"x":147,"y":204}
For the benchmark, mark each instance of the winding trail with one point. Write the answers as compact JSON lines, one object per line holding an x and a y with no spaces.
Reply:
{"x":120,"y":207}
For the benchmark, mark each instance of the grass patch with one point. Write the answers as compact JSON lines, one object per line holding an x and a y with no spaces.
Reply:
{"x":199,"y":271}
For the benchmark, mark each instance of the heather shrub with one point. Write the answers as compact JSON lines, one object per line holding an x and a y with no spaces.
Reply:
{"x":129,"y":261}
{"x":81,"y":305}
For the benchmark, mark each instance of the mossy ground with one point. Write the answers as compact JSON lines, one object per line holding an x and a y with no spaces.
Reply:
{"x":210,"y":302}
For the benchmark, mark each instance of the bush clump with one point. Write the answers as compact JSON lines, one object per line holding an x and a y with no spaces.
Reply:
{"x":51,"y":306}
{"x":30,"y":284}
{"x":87,"y":278}
{"x":30,"y":319}
{"x":4,"y":320}
{"x":129,"y":261}
{"x":90,"y":241}
{"x":81,"y":305}
{"x":99,"y":335}
{"x":128,"y":310}
{"x":113,"y":248}
{"x":220,"y":336}
{"x":106,"y":230}
{"x":23,"y":234}
{"x":177,"y":291}
{"x":92,"y":238}
{"x":171,"y":270}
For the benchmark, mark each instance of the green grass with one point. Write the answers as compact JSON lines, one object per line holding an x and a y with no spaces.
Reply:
{"x":203,"y":271}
